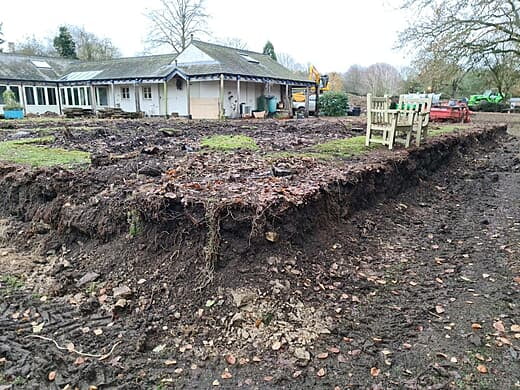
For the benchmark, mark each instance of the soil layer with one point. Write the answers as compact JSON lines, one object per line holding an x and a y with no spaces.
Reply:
{"x":390,"y":270}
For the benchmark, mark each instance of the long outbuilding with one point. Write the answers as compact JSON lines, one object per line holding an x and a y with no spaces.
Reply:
{"x":205,"y":81}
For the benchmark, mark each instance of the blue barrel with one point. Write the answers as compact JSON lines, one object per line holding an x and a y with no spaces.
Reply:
{"x":271,"y":104}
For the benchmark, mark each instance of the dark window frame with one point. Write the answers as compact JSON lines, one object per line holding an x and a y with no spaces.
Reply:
{"x":125,"y":93}
{"x":147,"y":93}
{"x":29,"y":96}
{"x":3,"y":88}
{"x":51,"y":96}
{"x":70,"y":102}
{"x":40,"y":94}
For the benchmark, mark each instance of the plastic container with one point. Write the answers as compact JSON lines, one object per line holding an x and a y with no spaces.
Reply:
{"x":355,"y":111}
{"x":271,"y":104}
{"x":13,"y":114}
{"x":261,"y":103}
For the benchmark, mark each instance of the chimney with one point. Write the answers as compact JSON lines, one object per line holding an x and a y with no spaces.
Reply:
{"x":10,"y":47}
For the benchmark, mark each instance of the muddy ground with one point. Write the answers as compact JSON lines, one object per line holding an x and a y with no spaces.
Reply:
{"x":407,"y":279}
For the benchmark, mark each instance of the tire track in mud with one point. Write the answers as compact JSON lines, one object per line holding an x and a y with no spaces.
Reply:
{"x":30,"y":330}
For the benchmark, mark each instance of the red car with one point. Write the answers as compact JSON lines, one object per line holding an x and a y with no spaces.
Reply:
{"x":458,"y":112}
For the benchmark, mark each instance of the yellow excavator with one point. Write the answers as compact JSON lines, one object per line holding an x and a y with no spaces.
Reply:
{"x":314,"y":75}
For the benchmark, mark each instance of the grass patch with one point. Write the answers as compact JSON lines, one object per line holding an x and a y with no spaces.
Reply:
{"x":445,"y":129}
{"x":34,"y":141}
{"x":30,"y":151}
{"x":229,"y":142}
{"x":346,"y":147}
{"x":10,"y":284}
{"x":335,"y":149}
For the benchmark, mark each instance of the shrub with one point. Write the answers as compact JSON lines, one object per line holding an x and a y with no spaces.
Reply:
{"x":333,"y":103}
{"x":10,"y":102}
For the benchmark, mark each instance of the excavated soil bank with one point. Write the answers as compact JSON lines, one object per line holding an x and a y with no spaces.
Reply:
{"x":304,"y":287}
{"x":185,"y":225}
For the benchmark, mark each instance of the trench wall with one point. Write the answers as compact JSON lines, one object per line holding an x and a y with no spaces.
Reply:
{"x":55,"y":201}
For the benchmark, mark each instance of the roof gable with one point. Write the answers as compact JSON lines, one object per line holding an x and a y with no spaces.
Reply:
{"x":192,"y":55}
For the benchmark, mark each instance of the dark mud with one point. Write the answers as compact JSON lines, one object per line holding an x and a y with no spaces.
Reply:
{"x":373,"y":282}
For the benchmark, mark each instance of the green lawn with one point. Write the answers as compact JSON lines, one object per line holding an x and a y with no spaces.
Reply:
{"x":345,"y":147}
{"x":32,"y":151}
{"x":443,"y":129}
{"x":229,"y":142}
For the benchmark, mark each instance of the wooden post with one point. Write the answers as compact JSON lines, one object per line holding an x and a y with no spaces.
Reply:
{"x":307,"y":95}
{"x":316,"y":113}
{"x":238,"y":97}
{"x":136,"y":95}
{"x":188,"y":93}
{"x":93,"y":98}
{"x":23,"y":98}
{"x":58,"y":92}
{"x":165,"y":91}
{"x":221,"y":100}
{"x":113,"y":92}
{"x":287,"y":100}
{"x":369,"y":119}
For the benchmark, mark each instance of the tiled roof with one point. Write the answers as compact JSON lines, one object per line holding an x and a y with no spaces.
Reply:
{"x":32,"y":68}
{"x":156,"y":66}
{"x":227,"y":61}
{"x":238,"y":62}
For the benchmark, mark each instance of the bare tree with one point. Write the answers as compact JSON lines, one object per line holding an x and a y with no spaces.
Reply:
{"x":382,"y":78}
{"x":290,"y":63}
{"x":175,"y":22}
{"x":354,"y":77}
{"x":336,"y":82}
{"x":504,"y":72}
{"x":441,"y":74}
{"x":1,"y":35}
{"x":465,"y":29}
{"x":90,"y":47}
{"x":33,"y":46}
{"x":233,"y":42}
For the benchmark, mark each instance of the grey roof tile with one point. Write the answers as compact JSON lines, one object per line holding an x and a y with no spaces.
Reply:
{"x":22,"y":67}
{"x":229,"y":61}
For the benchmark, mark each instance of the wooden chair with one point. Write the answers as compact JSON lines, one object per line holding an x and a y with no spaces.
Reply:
{"x":386,"y":126}
{"x":422,"y":105}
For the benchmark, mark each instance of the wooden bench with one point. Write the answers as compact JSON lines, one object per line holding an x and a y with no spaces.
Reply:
{"x":422,"y":105}
{"x":387,"y":126}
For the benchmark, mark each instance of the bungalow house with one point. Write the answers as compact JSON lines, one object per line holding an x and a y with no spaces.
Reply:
{"x":205,"y":81}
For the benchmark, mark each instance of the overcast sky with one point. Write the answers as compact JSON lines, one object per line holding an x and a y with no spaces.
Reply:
{"x":331,"y":34}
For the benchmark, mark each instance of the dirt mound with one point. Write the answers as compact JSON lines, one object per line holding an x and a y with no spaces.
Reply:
{"x":197,"y":276}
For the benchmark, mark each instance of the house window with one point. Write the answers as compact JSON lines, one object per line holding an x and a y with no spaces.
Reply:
{"x":88,"y":96}
{"x":147,"y":93}
{"x":125,"y":93}
{"x":63,"y":100}
{"x":82,"y":96}
{"x":40,"y":92}
{"x":29,"y":95}
{"x":51,"y":96}
{"x":2,"y":90}
{"x":16,"y":92}
{"x":69,"y":97}
{"x":75,"y":92}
